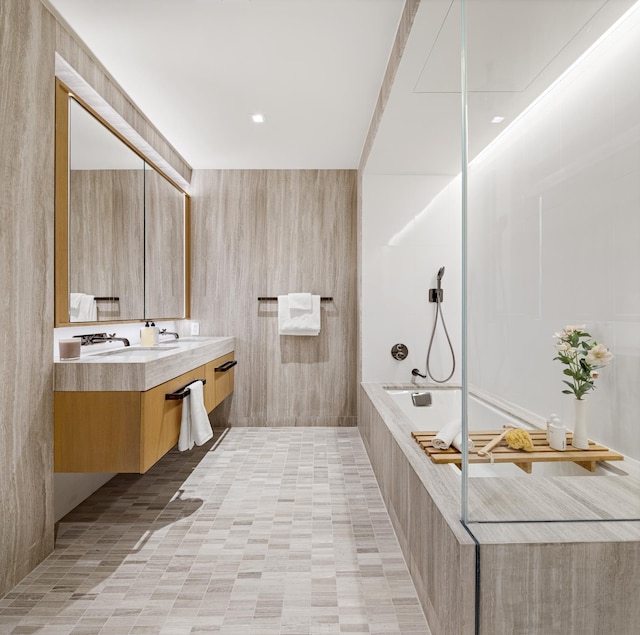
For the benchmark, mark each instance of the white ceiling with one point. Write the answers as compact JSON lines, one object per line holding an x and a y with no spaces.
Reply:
{"x":515,"y":50}
{"x":199,"y":68}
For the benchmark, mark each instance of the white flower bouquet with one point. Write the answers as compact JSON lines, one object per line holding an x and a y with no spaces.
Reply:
{"x":582,"y":357}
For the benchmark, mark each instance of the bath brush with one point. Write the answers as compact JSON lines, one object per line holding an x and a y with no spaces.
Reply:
{"x":519,"y":439}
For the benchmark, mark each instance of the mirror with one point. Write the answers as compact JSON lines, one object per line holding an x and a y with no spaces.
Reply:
{"x":106,"y":223}
{"x":121,"y":247}
{"x":165,"y":247}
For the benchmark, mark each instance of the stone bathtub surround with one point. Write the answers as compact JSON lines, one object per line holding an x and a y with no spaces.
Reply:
{"x":535,"y":577}
{"x":112,"y":371}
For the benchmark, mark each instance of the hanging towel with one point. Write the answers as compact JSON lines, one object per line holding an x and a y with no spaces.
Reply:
{"x":82,"y":308}
{"x":451,"y":434}
{"x":195,"y":428}
{"x":304,"y":322}
{"x":300,"y":304}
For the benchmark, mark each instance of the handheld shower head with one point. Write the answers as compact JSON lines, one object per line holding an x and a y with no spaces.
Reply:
{"x":440,"y":275}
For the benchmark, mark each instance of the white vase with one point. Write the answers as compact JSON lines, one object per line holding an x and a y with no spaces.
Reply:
{"x":580,"y":425}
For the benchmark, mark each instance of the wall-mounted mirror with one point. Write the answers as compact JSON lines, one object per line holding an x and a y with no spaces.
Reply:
{"x":121,"y":226}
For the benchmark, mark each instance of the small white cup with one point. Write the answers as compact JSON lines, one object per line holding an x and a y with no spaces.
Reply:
{"x":69,"y":349}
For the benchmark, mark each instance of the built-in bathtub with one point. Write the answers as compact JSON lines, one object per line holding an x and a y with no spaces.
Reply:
{"x":556,"y":554}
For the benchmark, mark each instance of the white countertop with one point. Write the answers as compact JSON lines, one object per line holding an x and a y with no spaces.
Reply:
{"x":136,"y":368}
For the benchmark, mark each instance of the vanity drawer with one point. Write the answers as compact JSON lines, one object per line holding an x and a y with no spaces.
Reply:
{"x":161,"y":418}
{"x":220,"y":380}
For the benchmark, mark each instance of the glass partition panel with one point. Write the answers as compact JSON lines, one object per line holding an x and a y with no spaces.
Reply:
{"x":553,"y":268}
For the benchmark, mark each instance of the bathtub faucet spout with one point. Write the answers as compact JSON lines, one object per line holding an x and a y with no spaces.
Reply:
{"x":416,"y":373}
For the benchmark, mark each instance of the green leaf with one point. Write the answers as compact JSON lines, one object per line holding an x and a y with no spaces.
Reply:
{"x":567,"y":371}
{"x":567,"y":392}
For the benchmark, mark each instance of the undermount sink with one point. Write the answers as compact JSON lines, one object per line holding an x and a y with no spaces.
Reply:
{"x":198,"y":338}
{"x":136,"y":352}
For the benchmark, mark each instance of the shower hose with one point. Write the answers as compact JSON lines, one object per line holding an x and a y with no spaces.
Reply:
{"x":439,"y":314}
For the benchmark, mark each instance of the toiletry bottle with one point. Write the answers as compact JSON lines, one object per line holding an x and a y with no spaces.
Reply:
{"x":155,"y":334}
{"x":146,"y":335}
{"x":557,"y":435}
{"x":550,"y":419}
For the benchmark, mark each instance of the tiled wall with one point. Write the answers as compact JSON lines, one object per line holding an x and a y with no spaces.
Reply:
{"x":265,"y":233}
{"x":404,"y":243}
{"x":26,"y":312}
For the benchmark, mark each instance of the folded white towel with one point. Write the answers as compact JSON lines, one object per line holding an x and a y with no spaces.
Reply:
{"x":299,"y":304}
{"x":307,"y":323}
{"x":82,"y":308}
{"x":194,"y":425}
{"x":451,"y":434}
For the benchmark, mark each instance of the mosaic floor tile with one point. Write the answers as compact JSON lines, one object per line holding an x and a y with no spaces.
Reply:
{"x":262,"y":531}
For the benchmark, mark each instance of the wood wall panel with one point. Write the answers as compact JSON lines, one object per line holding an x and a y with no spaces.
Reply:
{"x":26,"y":311}
{"x":265,"y":233}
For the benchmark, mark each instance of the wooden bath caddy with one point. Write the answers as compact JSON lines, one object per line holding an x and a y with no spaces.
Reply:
{"x":502,"y":453}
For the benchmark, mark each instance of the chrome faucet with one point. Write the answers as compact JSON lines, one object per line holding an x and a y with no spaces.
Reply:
{"x":98,"y":338}
{"x":165,"y":332}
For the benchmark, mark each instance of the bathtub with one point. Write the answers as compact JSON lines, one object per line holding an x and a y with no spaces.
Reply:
{"x":481,"y":415}
{"x":545,"y":538}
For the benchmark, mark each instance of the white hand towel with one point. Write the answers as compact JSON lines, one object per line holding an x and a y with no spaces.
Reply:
{"x":82,"y":308}
{"x":451,"y":434}
{"x":306,"y":324}
{"x":185,"y":440}
{"x":299,"y":304}
{"x":194,"y":425}
{"x":201,"y":430}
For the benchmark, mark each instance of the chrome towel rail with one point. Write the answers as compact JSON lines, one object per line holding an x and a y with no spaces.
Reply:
{"x":182,"y":392}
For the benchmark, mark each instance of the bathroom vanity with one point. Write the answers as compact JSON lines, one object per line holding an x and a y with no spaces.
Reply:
{"x":111,"y":413}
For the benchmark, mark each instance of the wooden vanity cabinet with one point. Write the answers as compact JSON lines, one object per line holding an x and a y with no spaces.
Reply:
{"x":126,"y":431}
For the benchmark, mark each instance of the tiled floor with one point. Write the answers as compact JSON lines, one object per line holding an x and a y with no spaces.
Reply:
{"x":263,"y":531}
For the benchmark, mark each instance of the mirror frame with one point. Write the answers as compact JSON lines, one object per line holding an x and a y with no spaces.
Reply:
{"x":61,"y":203}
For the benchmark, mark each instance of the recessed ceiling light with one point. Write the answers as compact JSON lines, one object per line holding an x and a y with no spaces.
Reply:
{"x":497,"y":119}
{"x":257,"y":117}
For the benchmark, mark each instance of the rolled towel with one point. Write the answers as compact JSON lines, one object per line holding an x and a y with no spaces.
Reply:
{"x":447,"y":434}
{"x":451,"y":434}
{"x":457,"y":443}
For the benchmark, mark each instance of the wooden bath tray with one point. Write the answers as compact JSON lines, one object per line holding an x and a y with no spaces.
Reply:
{"x":502,"y":453}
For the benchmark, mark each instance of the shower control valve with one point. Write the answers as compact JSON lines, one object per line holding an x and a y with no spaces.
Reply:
{"x":399,"y":351}
{"x":435,"y":295}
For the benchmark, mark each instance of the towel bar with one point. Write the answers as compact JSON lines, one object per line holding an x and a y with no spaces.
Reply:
{"x":226,"y":366}
{"x":107,"y":298}
{"x":181,"y":393}
{"x":273,"y":298}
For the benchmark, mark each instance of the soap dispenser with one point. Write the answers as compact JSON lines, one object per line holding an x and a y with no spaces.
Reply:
{"x":155,"y":334}
{"x":146,"y":335}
